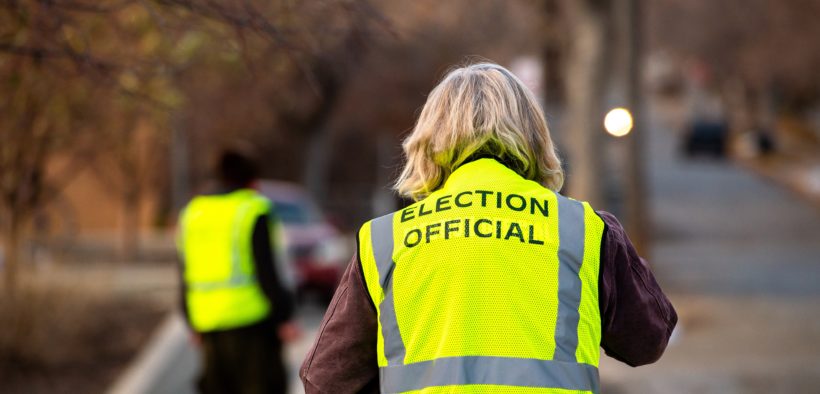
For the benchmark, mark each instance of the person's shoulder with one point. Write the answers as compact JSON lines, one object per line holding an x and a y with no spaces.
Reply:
{"x":379,"y":219}
{"x":614,"y":230}
{"x":257,"y":197}
{"x":193,"y":203}
{"x":377,"y":225}
{"x":610,"y":220}
{"x":570,"y":201}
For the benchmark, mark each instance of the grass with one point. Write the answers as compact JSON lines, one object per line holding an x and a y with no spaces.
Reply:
{"x":69,"y":336}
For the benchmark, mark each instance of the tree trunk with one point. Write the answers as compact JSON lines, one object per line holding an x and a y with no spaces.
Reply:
{"x":585,"y":87}
{"x":180,"y":165}
{"x":11,"y":255}
{"x":317,"y":156}
{"x":317,"y":159}
{"x":130,"y":226}
{"x":332,"y":72}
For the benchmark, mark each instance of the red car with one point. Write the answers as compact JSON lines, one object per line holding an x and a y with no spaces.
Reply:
{"x":316,"y":250}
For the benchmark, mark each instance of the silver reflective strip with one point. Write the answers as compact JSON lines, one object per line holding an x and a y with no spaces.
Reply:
{"x":507,"y":371}
{"x":236,"y":260}
{"x":381,"y":239}
{"x":570,"y":257}
{"x":233,"y":282}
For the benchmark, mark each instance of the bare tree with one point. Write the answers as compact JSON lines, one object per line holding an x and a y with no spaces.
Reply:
{"x":69,"y":69}
{"x":752,"y":48}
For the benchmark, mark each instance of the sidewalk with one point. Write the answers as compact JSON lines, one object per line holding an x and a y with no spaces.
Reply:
{"x":170,"y":364}
{"x":731,"y":345}
{"x":800,"y":175}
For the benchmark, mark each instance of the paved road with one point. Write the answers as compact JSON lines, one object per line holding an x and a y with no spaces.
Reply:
{"x":720,"y":229}
{"x":741,"y":258}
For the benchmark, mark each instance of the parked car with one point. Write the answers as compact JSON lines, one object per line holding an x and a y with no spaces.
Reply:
{"x":316,"y":251}
{"x":707,"y":137}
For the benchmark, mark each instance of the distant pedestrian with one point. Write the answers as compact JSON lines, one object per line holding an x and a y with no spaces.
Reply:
{"x":492,"y":281}
{"x":232,"y":291}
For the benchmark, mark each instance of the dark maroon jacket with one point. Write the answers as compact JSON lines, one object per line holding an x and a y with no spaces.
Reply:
{"x":636,"y":320}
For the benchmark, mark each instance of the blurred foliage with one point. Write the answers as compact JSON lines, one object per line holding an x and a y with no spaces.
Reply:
{"x":95,"y":83}
{"x":317,"y":87}
{"x":66,"y":328}
{"x":74,"y":69}
{"x":765,"y":44}
{"x":326,"y":128}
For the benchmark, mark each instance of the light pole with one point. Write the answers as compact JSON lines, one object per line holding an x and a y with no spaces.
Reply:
{"x":637,"y":223}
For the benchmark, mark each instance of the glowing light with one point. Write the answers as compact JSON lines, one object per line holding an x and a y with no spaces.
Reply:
{"x":618,"y":122}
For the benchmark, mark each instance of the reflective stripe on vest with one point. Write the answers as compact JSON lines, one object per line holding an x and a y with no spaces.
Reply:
{"x":233,"y":282}
{"x":563,"y":371}
{"x":521,"y":372}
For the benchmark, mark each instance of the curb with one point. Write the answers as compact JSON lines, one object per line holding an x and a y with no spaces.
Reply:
{"x":148,"y":372}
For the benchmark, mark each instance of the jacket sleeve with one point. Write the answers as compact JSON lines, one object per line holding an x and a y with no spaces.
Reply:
{"x":343,"y":356}
{"x":266,"y":273}
{"x":636,"y":317}
{"x":183,"y":293}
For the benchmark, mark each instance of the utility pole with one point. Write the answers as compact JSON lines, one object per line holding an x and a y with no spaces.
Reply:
{"x":637,"y":223}
{"x":180,"y":184}
{"x":588,"y":22}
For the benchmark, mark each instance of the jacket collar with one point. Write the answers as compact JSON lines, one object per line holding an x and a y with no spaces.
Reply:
{"x":483,"y":168}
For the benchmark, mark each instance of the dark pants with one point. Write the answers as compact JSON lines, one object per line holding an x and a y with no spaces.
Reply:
{"x":244,"y":361}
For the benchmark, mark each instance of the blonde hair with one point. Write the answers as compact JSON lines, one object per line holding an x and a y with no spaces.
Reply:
{"x":478,"y":110}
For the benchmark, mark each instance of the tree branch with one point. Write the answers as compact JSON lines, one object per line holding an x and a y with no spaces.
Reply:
{"x":77,"y":6}
{"x":41,"y":53}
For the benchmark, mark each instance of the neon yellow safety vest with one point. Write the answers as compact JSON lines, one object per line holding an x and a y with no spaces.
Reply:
{"x":216,"y":247}
{"x":488,"y":285}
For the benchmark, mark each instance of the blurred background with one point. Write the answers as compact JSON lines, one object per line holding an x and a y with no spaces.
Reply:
{"x":111,"y":112}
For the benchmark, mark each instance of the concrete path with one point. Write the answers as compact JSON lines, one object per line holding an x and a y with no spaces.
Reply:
{"x":169,"y":364}
{"x":166,"y":365}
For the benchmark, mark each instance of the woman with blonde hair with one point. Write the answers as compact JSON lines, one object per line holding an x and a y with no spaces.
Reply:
{"x":491,"y":277}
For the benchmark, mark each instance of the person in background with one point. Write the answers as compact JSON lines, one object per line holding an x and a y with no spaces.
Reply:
{"x":232,"y":293}
{"x":492,"y":281}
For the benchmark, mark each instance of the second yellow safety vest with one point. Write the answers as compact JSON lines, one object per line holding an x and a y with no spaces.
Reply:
{"x":215,"y":241}
{"x":488,"y":285}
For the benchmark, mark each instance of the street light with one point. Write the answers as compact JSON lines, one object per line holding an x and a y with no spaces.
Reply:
{"x":618,"y":122}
